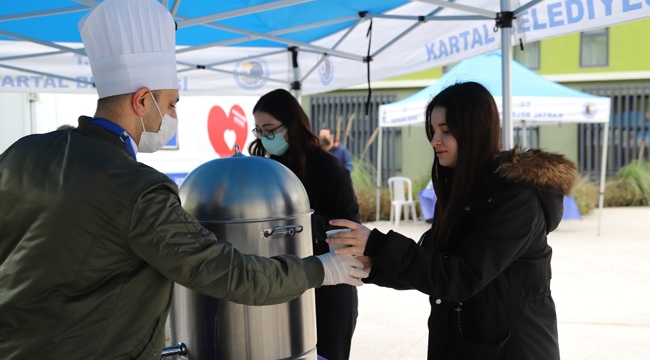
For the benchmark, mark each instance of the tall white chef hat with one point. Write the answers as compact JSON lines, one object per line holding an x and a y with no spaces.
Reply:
{"x":130,"y":45}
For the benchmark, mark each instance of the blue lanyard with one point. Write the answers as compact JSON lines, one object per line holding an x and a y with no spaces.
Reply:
{"x":117,"y":130}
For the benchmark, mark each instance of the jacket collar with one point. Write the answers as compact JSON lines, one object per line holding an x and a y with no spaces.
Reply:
{"x":538,"y":169}
{"x":91,"y":129}
{"x":551,"y":175}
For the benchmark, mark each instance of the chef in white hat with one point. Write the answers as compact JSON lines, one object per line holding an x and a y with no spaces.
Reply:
{"x":132,"y":54}
{"x":92,"y":240}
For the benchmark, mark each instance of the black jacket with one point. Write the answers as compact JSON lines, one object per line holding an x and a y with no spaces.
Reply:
{"x":490,"y":296}
{"x":331,"y":195}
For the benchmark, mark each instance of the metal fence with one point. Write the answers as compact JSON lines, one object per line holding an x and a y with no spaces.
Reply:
{"x":531,"y":134}
{"x":629,"y":131}
{"x":340,"y":112}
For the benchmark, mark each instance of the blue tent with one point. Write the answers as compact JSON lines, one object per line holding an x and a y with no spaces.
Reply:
{"x":535,"y":100}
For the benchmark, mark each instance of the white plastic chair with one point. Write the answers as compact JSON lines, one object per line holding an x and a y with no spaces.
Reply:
{"x":398,"y":187}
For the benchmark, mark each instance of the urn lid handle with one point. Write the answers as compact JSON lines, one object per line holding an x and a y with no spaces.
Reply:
{"x":237,"y":153}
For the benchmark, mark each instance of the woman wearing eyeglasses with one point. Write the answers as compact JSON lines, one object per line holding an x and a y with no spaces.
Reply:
{"x":283,"y":133}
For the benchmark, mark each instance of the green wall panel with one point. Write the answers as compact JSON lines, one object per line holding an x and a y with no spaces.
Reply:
{"x":418,"y":153}
{"x":560,"y":55}
{"x":629,"y":50}
{"x":434,"y":73}
{"x":630,"y":46}
{"x":562,"y":138}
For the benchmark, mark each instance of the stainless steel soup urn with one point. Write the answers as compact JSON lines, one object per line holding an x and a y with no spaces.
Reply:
{"x":261,"y":207}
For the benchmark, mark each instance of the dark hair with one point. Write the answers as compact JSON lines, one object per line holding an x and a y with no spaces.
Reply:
{"x":473,"y":120}
{"x":110,"y":103}
{"x":285,"y":108}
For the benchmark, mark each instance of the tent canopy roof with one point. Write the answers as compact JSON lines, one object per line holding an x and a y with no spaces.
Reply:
{"x":486,"y":70}
{"x":264,"y":16}
{"x":535,"y":99}
{"x":250,"y":47}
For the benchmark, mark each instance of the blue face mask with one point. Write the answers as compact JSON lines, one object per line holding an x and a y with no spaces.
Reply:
{"x":276,"y":146}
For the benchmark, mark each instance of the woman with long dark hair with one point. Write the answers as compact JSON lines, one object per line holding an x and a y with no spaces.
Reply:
{"x":283,"y":133}
{"x":485,"y":262}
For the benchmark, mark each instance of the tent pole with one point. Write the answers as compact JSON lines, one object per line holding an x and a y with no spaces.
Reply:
{"x":603,"y":170}
{"x":295,"y":85}
{"x":506,"y":60}
{"x":379,"y":146}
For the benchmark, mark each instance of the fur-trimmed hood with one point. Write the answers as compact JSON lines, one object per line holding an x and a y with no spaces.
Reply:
{"x":538,"y":169}
{"x":552,"y":175}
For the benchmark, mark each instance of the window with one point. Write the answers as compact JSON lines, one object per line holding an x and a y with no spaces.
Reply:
{"x":529,"y":57}
{"x":594,"y":47}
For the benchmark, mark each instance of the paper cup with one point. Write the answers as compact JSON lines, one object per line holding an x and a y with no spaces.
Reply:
{"x":334,"y":247}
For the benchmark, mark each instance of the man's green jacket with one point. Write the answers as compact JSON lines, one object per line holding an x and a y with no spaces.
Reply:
{"x":91,"y":243}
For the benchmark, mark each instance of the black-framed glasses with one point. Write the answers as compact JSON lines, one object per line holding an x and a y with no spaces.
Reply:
{"x":269,"y":134}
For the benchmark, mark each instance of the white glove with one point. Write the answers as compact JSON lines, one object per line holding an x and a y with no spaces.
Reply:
{"x":342,"y":269}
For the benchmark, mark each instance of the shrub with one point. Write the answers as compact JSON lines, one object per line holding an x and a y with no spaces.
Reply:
{"x":638,"y":178}
{"x":618,"y":193}
{"x":367,"y":198}
{"x":585,"y":194}
{"x":630,"y":187}
{"x":364,"y":178}
{"x":364,"y":174}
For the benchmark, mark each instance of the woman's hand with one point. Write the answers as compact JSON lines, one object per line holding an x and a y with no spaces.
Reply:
{"x":367,"y":263}
{"x":356,"y":238}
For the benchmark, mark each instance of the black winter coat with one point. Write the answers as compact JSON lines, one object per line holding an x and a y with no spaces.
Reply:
{"x":490,"y":296}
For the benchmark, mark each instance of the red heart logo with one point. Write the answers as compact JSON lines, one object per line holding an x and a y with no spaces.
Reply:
{"x":226,"y":131}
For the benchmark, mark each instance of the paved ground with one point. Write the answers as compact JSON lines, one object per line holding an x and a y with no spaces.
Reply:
{"x":601,"y":287}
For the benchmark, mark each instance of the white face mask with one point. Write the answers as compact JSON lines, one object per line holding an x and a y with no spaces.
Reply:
{"x":153,"y":141}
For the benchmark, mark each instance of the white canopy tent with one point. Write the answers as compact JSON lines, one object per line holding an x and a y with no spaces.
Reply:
{"x":536,"y":101}
{"x":310,"y":46}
